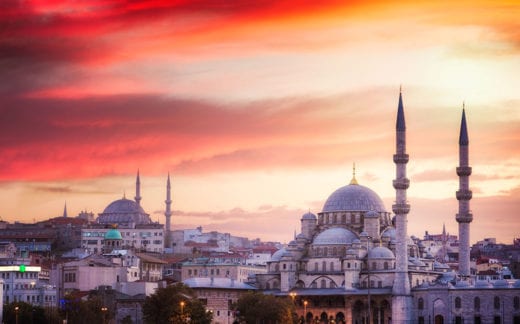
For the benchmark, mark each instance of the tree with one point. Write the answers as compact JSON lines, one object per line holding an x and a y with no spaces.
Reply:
{"x":25,"y":312}
{"x":254,"y":307}
{"x":175,"y":304}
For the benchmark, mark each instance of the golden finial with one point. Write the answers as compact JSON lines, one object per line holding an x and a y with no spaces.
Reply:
{"x":353,"y":181}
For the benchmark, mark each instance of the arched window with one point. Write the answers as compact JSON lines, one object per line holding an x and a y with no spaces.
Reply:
{"x":496,"y":302}
{"x":324,"y":266}
{"x":323,"y":283}
{"x":374,"y":265}
{"x":458,"y":302}
{"x":332,"y":266}
{"x":476,"y":303}
{"x":325,"y":251}
{"x":315,"y":266}
{"x":267,"y":286}
{"x":385,"y":265}
{"x":284,"y":266}
{"x":334,"y":251}
{"x":516,"y":303}
{"x":352,"y":218}
{"x":420,"y":303}
{"x":348,"y":265}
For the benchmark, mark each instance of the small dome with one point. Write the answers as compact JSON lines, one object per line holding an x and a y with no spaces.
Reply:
{"x":389,"y":232}
{"x":113,"y":234}
{"x":334,"y":236}
{"x":309,"y":216}
{"x":381,"y":252}
{"x":354,"y":197}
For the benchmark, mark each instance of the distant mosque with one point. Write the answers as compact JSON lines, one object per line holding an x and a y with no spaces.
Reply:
{"x":129,"y":219}
{"x":354,"y":262}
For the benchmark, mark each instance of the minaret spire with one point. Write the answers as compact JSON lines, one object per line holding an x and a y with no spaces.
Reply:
{"x":401,"y":295}
{"x":464,"y":195}
{"x":65,"y":210}
{"x":168,"y":214}
{"x":353,"y":181}
{"x":138,"y":189}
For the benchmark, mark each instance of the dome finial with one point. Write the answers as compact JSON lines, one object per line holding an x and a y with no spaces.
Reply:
{"x":353,"y":181}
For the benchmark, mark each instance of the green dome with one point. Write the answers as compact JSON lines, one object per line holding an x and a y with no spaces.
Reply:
{"x":113,"y":234}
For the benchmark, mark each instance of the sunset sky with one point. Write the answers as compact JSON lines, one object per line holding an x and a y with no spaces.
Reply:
{"x":257,"y":108}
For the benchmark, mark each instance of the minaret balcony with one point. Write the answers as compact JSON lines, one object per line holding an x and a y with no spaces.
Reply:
{"x":464,"y":194}
{"x":401,"y":209}
{"x":463,"y":171}
{"x":464,"y":218}
{"x":401,"y":158}
{"x":402,"y":183}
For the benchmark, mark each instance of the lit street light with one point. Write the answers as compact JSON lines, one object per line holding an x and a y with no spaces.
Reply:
{"x":104,"y":312}
{"x":16,"y":309}
{"x":182,"y":311}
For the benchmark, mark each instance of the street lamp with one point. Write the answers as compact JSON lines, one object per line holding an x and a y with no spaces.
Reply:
{"x":182,"y":311}
{"x":293,"y":296}
{"x":16,"y":309}
{"x":305,"y":310}
{"x":104,"y":312}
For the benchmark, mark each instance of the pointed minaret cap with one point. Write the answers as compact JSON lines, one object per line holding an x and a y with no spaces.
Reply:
{"x":400,"y":123}
{"x":354,"y":181}
{"x":65,"y":210}
{"x":463,"y":137}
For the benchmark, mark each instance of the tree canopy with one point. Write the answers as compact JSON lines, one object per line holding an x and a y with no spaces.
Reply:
{"x":255,"y":307}
{"x":175,"y":304}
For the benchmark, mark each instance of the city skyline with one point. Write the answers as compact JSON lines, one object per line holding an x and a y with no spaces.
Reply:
{"x":258,"y":109}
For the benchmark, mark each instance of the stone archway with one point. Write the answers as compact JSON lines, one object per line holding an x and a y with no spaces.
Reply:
{"x":439,"y":319}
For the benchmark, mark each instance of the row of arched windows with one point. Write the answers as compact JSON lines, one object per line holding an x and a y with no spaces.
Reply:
{"x":476,"y":303}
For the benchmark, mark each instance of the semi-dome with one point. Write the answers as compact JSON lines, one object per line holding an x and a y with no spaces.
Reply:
{"x":113,"y":234}
{"x":354,"y":197}
{"x":278,"y":254}
{"x":335,"y":235}
{"x":381,"y":252}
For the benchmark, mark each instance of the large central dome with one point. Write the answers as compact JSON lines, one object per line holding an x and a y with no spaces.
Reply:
{"x":124,"y":212}
{"x":354,"y":197}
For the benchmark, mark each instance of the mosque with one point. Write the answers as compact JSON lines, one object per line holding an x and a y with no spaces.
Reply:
{"x":354,"y":262}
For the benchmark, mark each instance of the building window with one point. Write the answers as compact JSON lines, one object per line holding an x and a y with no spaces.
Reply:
{"x":496,"y":302}
{"x":374,"y":265}
{"x":516,"y":302}
{"x":421,"y":320}
{"x":458,"y":320}
{"x":420,"y":303}
{"x":324,"y":266}
{"x":385,"y":265}
{"x":497,"y":320}
{"x":332,"y":266}
{"x":323,"y":283}
{"x":476,"y":304}
{"x":457,"y":302}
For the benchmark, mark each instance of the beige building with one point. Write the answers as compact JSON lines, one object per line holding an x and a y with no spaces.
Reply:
{"x":200,"y":268}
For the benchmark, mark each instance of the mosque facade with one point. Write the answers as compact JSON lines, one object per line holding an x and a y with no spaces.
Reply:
{"x":354,"y":262}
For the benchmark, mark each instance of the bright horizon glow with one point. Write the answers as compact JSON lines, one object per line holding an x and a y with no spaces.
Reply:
{"x":259,"y":109}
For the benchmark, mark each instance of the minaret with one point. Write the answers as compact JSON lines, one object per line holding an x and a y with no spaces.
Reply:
{"x":401,"y":296}
{"x":168,"y":215}
{"x":138,"y":189}
{"x":464,"y":217}
{"x":65,"y":210}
